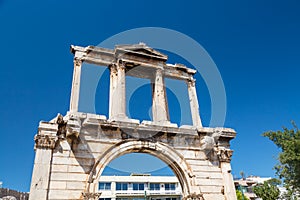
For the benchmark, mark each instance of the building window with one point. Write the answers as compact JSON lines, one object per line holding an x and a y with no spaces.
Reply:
{"x":171,"y":198}
{"x":138,"y":186}
{"x":104,"y":186}
{"x":169,"y":186}
{"x":154,"y":186}
{"x":121,"y":186}
{"x":104,"y":198}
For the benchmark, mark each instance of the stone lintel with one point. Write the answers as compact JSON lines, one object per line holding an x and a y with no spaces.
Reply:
{"x":133,"y":58}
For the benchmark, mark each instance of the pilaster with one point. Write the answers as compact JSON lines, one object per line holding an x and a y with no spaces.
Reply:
{"x":225,"y":158}
{"x":44,"y":145}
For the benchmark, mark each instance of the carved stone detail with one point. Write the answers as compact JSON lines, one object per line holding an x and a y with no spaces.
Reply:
{"x":113,"y":68}
{"x":121,"y":65}
{"x":224,"y":155}
{"x":77,"y":62}
{"x":62,"y":129}
{"x":194,"y":196}
{"x":45,"y":141}
{"x":191,"y":82}
{"x":210,"y":140}
{"x":91,"y":196}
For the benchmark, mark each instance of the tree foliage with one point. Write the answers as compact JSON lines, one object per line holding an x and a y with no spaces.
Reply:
{"x":268,"y":190}
{"x":239,"y":195}
{"x":288,"y":140}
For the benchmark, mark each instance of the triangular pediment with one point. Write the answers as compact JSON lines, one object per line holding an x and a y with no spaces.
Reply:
{"x":142,"y":50}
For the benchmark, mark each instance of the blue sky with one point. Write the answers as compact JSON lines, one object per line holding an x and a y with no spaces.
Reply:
{"x":255,"y":45}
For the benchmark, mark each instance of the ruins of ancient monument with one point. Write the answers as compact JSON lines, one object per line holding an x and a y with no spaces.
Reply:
{"x":71,"y":151}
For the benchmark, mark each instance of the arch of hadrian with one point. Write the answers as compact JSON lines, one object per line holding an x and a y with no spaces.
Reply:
{"x":71,"y":151}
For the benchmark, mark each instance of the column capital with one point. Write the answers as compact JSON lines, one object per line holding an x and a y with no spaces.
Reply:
{"x":77,"y":62}
{"x":113,"y":68}
{"x":191,"y":82}
{"x":224,"y":154}
{"x":194,"y":196}
{"x":45,"y":141}
{"x":91,"y":195}
{"x":121,"y":64}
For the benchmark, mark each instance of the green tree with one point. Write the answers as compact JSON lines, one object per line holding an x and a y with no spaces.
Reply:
{"x":240,"y":195}
{"x":268,"y":190}
{"x":288,"y":169}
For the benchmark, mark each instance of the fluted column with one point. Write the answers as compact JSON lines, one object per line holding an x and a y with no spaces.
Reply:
{"x":117,"y":96}
{"x":74,"y":102}
{"x":194,"y":103}
{"x":159,"y":100}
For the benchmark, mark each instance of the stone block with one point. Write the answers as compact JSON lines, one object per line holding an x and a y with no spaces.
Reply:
{"x":210,"y":175}
{"x":64,"y":194}
{"x":209,"y":189}
{"x":58,"y":176}
{"x":76,"y":185}
{"x":58,"y":185}
{"x":209,"y":182}
{"x":214,"y":196}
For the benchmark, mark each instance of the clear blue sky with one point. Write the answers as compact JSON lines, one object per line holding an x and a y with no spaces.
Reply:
{"x":255,"y":45}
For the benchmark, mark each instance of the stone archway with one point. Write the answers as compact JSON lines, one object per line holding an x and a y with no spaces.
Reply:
{"x":72,"y":151}
{"x":160,"y":150}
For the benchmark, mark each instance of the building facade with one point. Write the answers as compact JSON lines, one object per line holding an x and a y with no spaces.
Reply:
{"x":139,"y":187}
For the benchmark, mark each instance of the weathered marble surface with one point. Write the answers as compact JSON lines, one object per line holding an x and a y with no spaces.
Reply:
{"x":73,"y":150}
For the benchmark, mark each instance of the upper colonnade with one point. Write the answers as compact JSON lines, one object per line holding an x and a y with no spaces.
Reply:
{"x":139,"y":61}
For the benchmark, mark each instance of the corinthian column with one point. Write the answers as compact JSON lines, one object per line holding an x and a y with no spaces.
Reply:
{"x":194,"y":103}
{"x":117,"y":97}
{"x":159,"y":100}
{"x":75,"y":85}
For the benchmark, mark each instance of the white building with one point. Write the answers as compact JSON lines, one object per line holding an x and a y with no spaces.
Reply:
{"x":258,"y":179}
{"x":139,"y":187}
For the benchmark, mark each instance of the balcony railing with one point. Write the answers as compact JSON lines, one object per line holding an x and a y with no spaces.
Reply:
{"x":148,"y":192}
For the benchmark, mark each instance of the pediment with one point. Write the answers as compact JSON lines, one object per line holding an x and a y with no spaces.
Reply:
{"x":142,"y":50}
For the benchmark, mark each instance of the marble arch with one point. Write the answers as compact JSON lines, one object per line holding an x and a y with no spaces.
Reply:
{"x":72,"y":150}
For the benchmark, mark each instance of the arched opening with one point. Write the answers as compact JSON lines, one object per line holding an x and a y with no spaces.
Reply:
{"x":138,"y":176}
{"x":161,"y":151}
{"x":137,"y":163}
